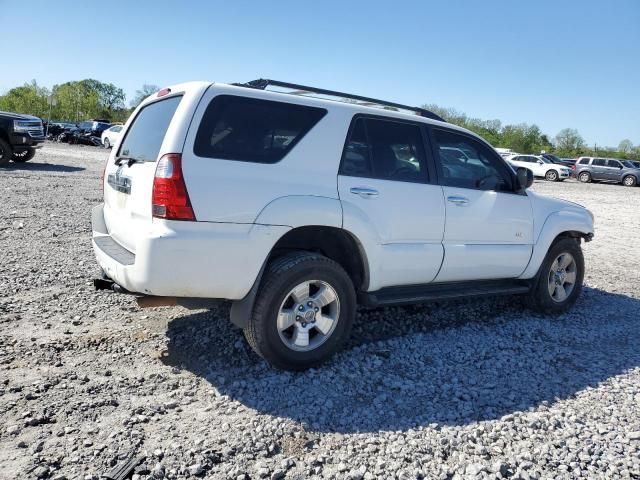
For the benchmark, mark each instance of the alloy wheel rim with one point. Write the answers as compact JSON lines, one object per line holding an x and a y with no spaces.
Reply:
{"x":562,"y":277}
{"x":552,"y":175}
{"x":308,"y":315}
{"x":584,"y":177}
{"x":628,"y":181}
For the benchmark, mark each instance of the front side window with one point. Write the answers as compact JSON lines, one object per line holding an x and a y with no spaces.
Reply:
{"x":614,"y":164}
{"x":253,"y":130}
{"x":474,"y":165}
{"x":384,"y":149}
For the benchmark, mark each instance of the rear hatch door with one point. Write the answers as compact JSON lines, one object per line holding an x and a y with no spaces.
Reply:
{"x":157,"y":127}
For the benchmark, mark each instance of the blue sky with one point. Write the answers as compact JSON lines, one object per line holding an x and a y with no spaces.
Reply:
{"x":562,"y":63}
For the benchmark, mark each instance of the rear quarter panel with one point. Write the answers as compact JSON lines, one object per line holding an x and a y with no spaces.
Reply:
{"x":236,"y":191}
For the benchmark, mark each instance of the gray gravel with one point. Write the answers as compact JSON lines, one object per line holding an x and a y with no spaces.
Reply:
{"x":471,"y":389}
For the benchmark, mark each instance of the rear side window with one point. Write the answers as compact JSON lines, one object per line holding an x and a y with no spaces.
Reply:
{"x":253,"y":130}
{"x":599,"y":162}
{"x":388,"y":150}
{"x":144,"y":138}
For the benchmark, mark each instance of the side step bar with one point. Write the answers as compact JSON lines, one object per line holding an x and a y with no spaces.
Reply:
{"x":410,"y":294}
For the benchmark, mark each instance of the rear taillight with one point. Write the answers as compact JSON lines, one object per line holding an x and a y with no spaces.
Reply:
{"x":170,"y":199}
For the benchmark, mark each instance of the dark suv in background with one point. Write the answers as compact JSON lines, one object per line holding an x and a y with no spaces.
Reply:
{"x":607,"y":170}
{"x":20,"y":135}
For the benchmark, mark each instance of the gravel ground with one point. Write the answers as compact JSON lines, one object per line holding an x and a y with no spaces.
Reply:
{"x":470,"y":389}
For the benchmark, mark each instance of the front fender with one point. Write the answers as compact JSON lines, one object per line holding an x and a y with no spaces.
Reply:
{"x":555,"y":224}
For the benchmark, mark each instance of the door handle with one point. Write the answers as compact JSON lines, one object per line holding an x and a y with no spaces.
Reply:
{"x":460,"y":201}
{"x":364,"y":192}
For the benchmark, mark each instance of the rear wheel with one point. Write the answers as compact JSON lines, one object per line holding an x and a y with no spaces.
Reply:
{"x":560,"y":278}
{"x":6,"y":152}
{"x":303,"y":312}
{"x":584,"y":177}
{"x":24,"y":156}
{"x":107,"y":143}
{"x":551,"y":176}
{"x":629,"y":181}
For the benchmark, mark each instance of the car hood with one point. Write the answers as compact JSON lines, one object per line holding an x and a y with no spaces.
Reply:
{"x":18,"y":116}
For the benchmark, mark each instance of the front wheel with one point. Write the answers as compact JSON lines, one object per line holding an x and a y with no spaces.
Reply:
{"x":24,"y":156}
{"x":559,"y":280}
{"x":6,"y":152}
{"x":629,"y":181}
{"x":303,"y":312}
{"x":551,"y":176}
{"x":584,"y":177}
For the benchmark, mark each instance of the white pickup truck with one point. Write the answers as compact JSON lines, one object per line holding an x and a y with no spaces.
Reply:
{"x":298,"y":208}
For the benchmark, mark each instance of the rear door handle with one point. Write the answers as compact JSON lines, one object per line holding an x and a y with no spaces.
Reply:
{"x":364,"y":192}
{"x":460,"y":201}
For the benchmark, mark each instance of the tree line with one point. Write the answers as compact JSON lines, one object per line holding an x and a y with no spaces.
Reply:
{"x":73,"y":101}
{"x":525,"y":138}
{"x":86,"y":99}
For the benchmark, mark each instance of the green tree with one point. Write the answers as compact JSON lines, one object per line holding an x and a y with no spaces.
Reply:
{"x":625,"y":146}
{"x":30,"y":99}
{"x":569,"y":141}
{"x":146,"y":90}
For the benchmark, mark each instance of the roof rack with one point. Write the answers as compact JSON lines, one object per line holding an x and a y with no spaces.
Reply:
{"x":263,"y":83}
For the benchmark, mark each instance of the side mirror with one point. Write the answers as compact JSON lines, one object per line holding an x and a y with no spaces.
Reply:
{"x":540,"y":162}
{"x":524,"y":177}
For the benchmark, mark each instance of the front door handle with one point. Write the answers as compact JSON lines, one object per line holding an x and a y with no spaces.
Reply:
{"x":460,"y":201}
{"x":364,"y":192}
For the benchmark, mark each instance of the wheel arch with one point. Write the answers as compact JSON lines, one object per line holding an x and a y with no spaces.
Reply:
{"x":335,"y":243}
{"x":558,"y":225}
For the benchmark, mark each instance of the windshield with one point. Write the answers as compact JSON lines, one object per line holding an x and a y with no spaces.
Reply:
{"x":145,"y":135}
{"x":545,"y":160}
{"x":630,"y":164}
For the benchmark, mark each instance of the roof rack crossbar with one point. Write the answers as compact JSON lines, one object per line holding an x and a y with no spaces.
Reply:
{"x":263,"y":83}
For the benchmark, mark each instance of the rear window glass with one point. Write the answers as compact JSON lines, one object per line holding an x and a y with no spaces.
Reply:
{"x":253,"y":130}
{"x":145,"y":135}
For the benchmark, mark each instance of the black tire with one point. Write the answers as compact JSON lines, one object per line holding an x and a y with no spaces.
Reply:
{"x":24,"y":156}
{"x":6,"y":152}
{"x":551,"y":176}
{"x":629,"y":181}
{"x":540,"y":299}
{"x":281,"y":276}
{"x":584,"y":177}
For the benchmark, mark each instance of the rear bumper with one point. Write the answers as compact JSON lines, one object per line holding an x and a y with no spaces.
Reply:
{"x":186,"y":259}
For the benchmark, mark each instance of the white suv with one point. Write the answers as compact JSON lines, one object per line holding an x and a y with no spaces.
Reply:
{"x":540,"y":166}
{"x":298,"y":209}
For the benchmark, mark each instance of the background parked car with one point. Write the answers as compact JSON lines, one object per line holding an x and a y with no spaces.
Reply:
{"x":111,"y":135}
{"x":94,"y":127}
{"x":541,"y":167}
{"x":607,"y":170}
{"x":567,"y":162}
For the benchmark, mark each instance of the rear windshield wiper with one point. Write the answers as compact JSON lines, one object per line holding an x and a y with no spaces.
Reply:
{"x":130,"y":160}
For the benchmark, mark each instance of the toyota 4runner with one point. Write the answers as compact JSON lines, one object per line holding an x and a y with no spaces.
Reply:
{"x":299,"y":208}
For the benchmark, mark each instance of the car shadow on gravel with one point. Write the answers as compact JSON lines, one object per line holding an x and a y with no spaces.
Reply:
{"x":449,"y":363}
{"x":42,"y":167}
